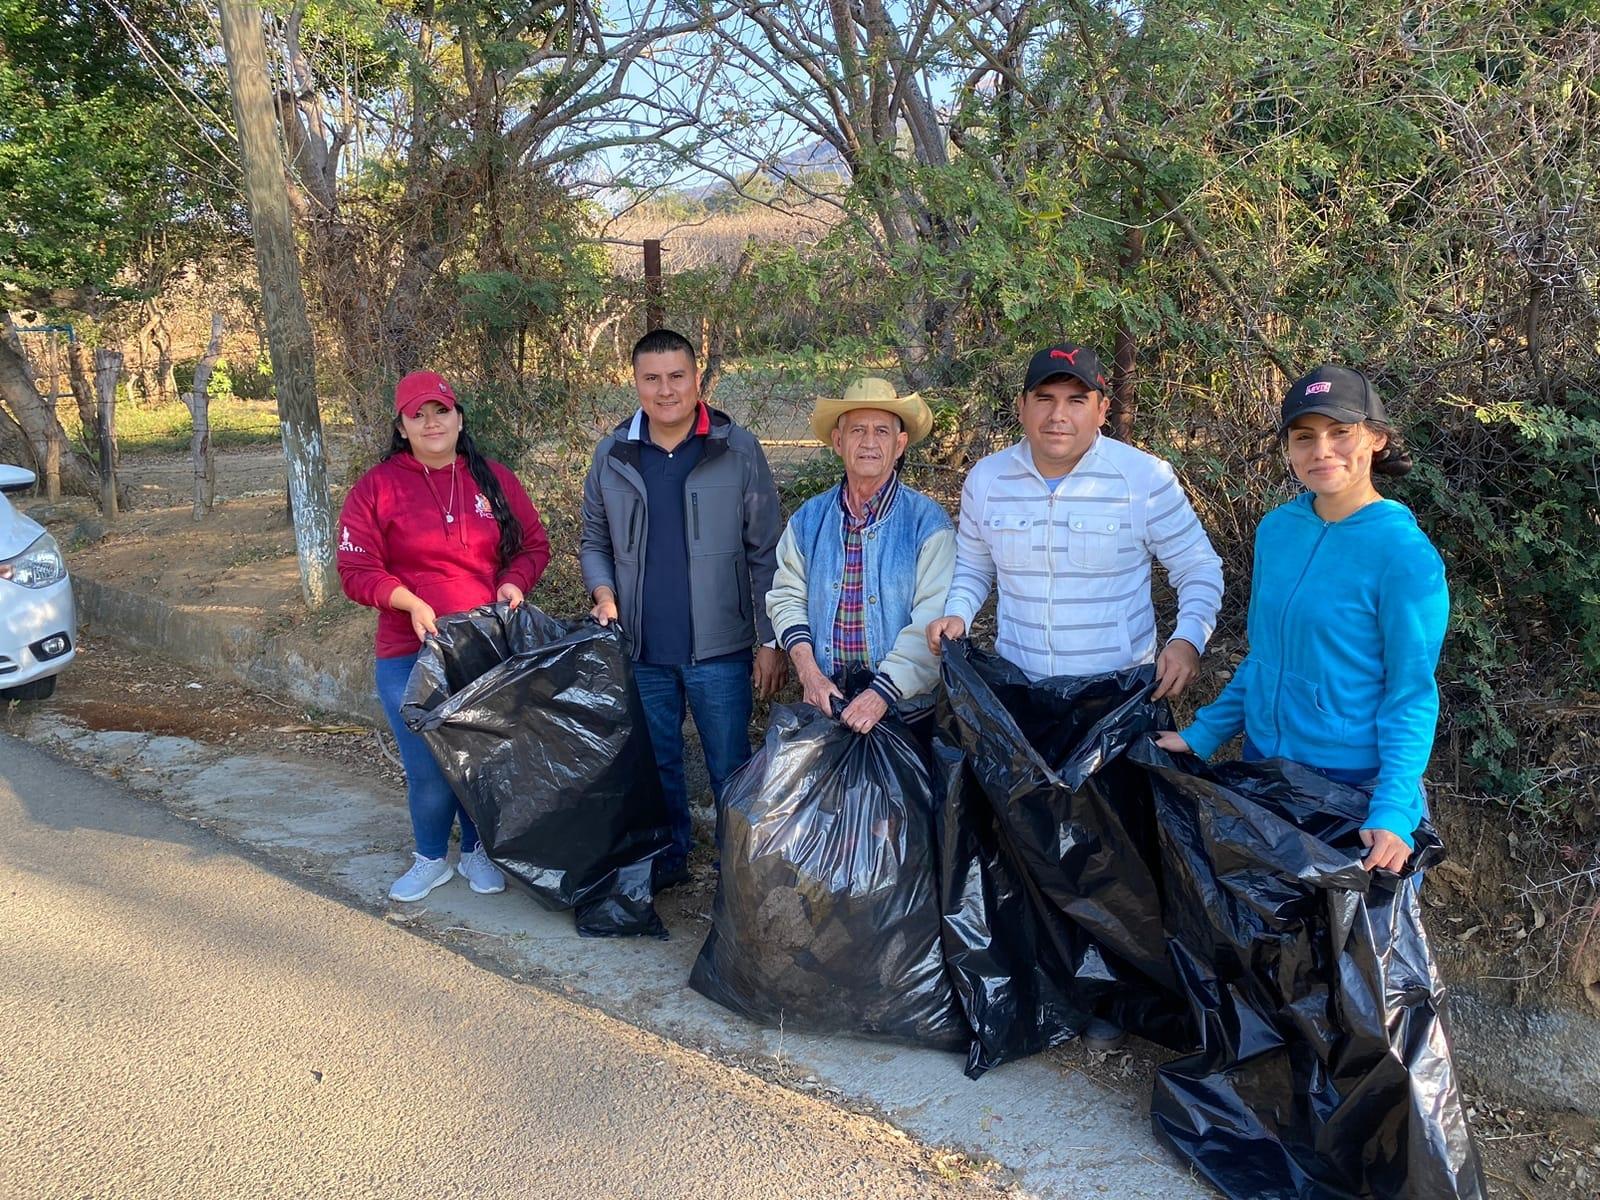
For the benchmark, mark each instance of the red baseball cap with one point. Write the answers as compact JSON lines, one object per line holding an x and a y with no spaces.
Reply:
{"x":417,"y":388}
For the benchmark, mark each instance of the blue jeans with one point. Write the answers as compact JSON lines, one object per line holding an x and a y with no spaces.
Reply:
{"x":719,"y":696}
{"x":434,"y":807}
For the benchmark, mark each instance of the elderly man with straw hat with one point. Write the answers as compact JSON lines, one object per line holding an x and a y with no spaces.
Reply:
{"x":865,"y":566}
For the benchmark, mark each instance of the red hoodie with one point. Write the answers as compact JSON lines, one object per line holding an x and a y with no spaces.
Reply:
{"x":393,"y":533}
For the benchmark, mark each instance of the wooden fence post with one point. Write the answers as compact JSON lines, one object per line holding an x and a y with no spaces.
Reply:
{"x":51,"y":398}
{"x":107,"y":369}
{"x":653,"y":316}
{"x":205,"y":463}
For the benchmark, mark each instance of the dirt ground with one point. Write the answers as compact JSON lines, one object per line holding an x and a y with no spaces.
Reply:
{"x":240,"y":563}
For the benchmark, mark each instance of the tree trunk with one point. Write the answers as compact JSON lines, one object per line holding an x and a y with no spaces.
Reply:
{"x":1124,"y":394}
{"x":46,"y":438}
{"x":107,"y":368}
{"x":205,"y":463}
{"x":54,"y":438}
{"x":14,"y":446}
{"x":144,"y":372}
{"x":283,"y":302}
{"x":80,"y":369}
{"x":161,"y":337}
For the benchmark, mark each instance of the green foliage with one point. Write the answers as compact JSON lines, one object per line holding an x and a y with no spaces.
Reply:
{"x":502,"y":300}
{"x":220,"y":384}
{"x":1523,"y":544}
{"x":246,"y":381}
{"x":1400,"y":189}
{"x":253,"y":381}
{"x":513,"y":423}
{"x":95,"y":158}
{"x":810,"y":477}
{"x":1223,"y":187}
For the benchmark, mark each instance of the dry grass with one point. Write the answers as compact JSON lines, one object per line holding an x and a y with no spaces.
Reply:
{"x":715,"y":239}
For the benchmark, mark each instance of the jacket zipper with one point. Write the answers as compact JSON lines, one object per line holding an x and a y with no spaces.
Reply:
{"x":633,"y":521}
{"x":694,"y":505}
{"x":1283,"y":628}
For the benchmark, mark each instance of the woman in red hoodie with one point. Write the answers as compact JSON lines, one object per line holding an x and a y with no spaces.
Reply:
{"x":435,"y":528}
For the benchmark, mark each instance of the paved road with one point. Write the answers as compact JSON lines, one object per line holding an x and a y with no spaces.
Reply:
{"x":177,"y":1020}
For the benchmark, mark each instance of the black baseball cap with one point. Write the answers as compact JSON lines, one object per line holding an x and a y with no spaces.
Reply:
{"x":1080,"y":362}
{"x":1338,"y":392}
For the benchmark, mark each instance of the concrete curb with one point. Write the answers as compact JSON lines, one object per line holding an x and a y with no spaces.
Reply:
{"x":210,"y":643}
{"x":1539,"y":1057}
{"x":1536,"y":1056}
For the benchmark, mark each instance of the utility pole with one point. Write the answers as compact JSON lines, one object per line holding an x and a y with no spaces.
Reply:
{"x":283,"y":303}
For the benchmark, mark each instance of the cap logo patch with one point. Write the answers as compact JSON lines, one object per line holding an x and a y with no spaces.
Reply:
{"x":1070,"y":355}
{"x":1318,"y":388}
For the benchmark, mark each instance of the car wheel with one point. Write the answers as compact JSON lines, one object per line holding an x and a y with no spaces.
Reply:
{"x":38,"y":689}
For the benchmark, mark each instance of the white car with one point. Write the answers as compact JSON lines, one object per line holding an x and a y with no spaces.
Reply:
{"x":38,"y":620}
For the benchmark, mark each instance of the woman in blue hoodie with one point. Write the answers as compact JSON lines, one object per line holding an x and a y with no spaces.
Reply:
{"x":1347,"y":615}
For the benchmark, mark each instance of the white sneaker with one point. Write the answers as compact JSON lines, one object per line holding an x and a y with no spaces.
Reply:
{"x":425,"y":875}
{"x":482,"y":876}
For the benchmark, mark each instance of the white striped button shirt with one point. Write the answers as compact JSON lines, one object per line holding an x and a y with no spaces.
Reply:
{"x":1073,"y":563}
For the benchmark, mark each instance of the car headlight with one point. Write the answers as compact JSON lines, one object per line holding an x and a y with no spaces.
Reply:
{"x":38,"y":566}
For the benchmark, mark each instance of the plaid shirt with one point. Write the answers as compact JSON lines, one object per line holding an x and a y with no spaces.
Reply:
{"x":850,"y":622}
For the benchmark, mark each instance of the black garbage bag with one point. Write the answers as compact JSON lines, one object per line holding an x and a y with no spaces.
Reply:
{"x":1048,"y":857}
{"x":1324,"y":1070}
{"x":827,"y":915}
{"x":538,"y":726}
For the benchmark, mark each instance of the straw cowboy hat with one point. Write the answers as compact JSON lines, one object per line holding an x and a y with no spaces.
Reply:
{"x":869,"y":391}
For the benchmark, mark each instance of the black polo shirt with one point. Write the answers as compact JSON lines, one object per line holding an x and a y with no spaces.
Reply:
{"x":667,"y":638}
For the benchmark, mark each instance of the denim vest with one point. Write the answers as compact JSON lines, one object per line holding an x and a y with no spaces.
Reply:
{"x":889,"y":548}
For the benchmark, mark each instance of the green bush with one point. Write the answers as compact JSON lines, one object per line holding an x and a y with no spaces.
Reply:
{"x":218,"y":386}
{"x":1507,"y":491}
{"x":253,"y":381}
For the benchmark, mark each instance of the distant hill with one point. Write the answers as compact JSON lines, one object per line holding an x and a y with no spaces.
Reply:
{"x":819,"y":158}
{"x":817,"y":162}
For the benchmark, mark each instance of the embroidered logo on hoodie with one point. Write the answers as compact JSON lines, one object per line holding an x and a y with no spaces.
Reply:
{"x":481,"y":506}
{"x":346,"y":545}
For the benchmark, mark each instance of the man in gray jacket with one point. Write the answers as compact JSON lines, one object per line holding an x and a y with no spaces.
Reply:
{"x":679,"y":542}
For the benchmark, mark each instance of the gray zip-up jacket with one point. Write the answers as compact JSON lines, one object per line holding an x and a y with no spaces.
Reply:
{"x":733,"y":523}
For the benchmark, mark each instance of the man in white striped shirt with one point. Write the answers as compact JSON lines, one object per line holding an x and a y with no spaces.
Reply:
{"x":1068,"y":521}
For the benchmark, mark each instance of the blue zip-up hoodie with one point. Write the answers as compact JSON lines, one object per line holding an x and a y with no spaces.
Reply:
{"x":1346,"y":622}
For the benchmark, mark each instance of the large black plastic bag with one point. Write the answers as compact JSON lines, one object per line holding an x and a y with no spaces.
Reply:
{"x":539,"y":728}
{"x":1052,"y":909}
{"x":827,"y":915}
{"x":1325,"y":1069}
